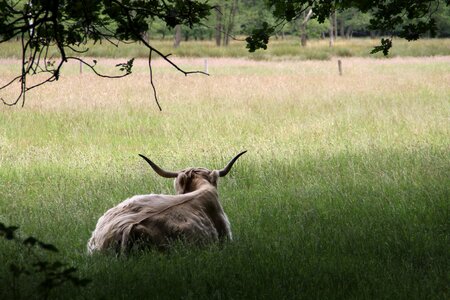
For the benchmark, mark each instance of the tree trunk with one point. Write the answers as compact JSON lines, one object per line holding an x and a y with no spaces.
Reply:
{"x":349,"y":32}
{"x":331,"y":31}
{"x":230,"y":25}
{"x":335,"y":25}
{"x":177,"y":37}
{"x":303,"y":36}
{"x":341,"y":28}
{"x":145,"y":36}
{"x":219,"y":26}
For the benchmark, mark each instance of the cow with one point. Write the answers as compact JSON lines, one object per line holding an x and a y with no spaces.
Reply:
{"x":194,"y":215}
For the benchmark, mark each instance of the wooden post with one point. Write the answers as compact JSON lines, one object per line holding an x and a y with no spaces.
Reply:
{"x":206,"y":65}
{"x":340,"y":66}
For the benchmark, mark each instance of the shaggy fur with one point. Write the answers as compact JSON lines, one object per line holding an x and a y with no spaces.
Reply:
{"x":195,"y":215}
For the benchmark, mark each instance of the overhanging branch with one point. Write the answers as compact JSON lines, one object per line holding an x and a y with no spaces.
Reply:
{"x":54,"y":25}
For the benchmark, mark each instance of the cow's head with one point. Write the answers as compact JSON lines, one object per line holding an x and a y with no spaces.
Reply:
{"x":190,"y":179}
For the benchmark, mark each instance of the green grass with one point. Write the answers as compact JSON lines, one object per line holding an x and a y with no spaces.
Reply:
{"x":278,"y":49}
{"x":343,"y":193}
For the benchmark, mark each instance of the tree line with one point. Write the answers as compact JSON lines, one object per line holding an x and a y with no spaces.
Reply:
{"x":237,"y":18}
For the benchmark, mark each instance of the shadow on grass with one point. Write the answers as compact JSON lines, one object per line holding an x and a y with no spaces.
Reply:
{"x":351,"y":225}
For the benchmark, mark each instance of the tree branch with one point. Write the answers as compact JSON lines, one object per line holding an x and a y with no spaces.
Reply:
{"x":43,"y":26}
{"x":92,"y":67}
{"x":151,"y":79}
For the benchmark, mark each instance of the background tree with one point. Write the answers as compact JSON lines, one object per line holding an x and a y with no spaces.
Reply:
{"x":331,"y":29}
{"x":252,"y":14}
{"x":303,"y":22}
{"x":443,"y":21}
{"x":353,"y":20}
{"x":177,"y":36}
{"x":231,"y":9}
{"x":222,"y":21}
{"x":407,"y":19}
{"x":219,"y":25}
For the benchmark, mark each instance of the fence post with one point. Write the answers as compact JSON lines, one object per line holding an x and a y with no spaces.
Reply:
{"x":206,"y":65}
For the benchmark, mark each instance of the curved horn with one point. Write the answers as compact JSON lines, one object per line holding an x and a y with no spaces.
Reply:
{"x":227,"y":169}
{"x":158,"y":170}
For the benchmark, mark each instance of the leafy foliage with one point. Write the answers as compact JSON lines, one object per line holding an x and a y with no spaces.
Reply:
{"x":259,"y":38}
{"x":408,"y":19}
{"x":126,"y":67}
{"x":52,"y":274}
{"x":386,"y":44}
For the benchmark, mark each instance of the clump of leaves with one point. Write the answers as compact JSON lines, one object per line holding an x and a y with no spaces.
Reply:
{"x":50,"y":274}
{"x":259,"y":37}
{"x":126,"y":67}
{"x":386,"y":44}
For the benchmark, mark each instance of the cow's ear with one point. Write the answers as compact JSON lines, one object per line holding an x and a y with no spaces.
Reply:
{"x":214,"y":177}
{"x":180,"y":183}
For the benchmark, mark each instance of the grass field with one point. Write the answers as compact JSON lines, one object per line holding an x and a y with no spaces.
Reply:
{"x":278,"y":49}
{"x":344,"y":191}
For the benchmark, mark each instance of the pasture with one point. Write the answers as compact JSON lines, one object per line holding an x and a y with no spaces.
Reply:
{"x":343,"y":192}
{"x":288,"y":48}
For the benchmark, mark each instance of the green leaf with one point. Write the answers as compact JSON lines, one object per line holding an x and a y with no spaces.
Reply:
{"x":386,"y":45}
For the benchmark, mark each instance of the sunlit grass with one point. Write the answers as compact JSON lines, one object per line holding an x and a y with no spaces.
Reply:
{"x":343,"y":192}
{"x":278,"y":49}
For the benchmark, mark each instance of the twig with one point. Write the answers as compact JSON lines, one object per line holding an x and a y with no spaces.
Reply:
{"x":92,"y":67}
{"x":151,"y":79}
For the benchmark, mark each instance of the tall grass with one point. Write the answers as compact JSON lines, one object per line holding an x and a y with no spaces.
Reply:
{"x":278,"y":49}
{"x":343,"y":192}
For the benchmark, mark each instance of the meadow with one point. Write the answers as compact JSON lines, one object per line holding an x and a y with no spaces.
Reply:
{"x":279,"y":49}
{"x":343,"y":193}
